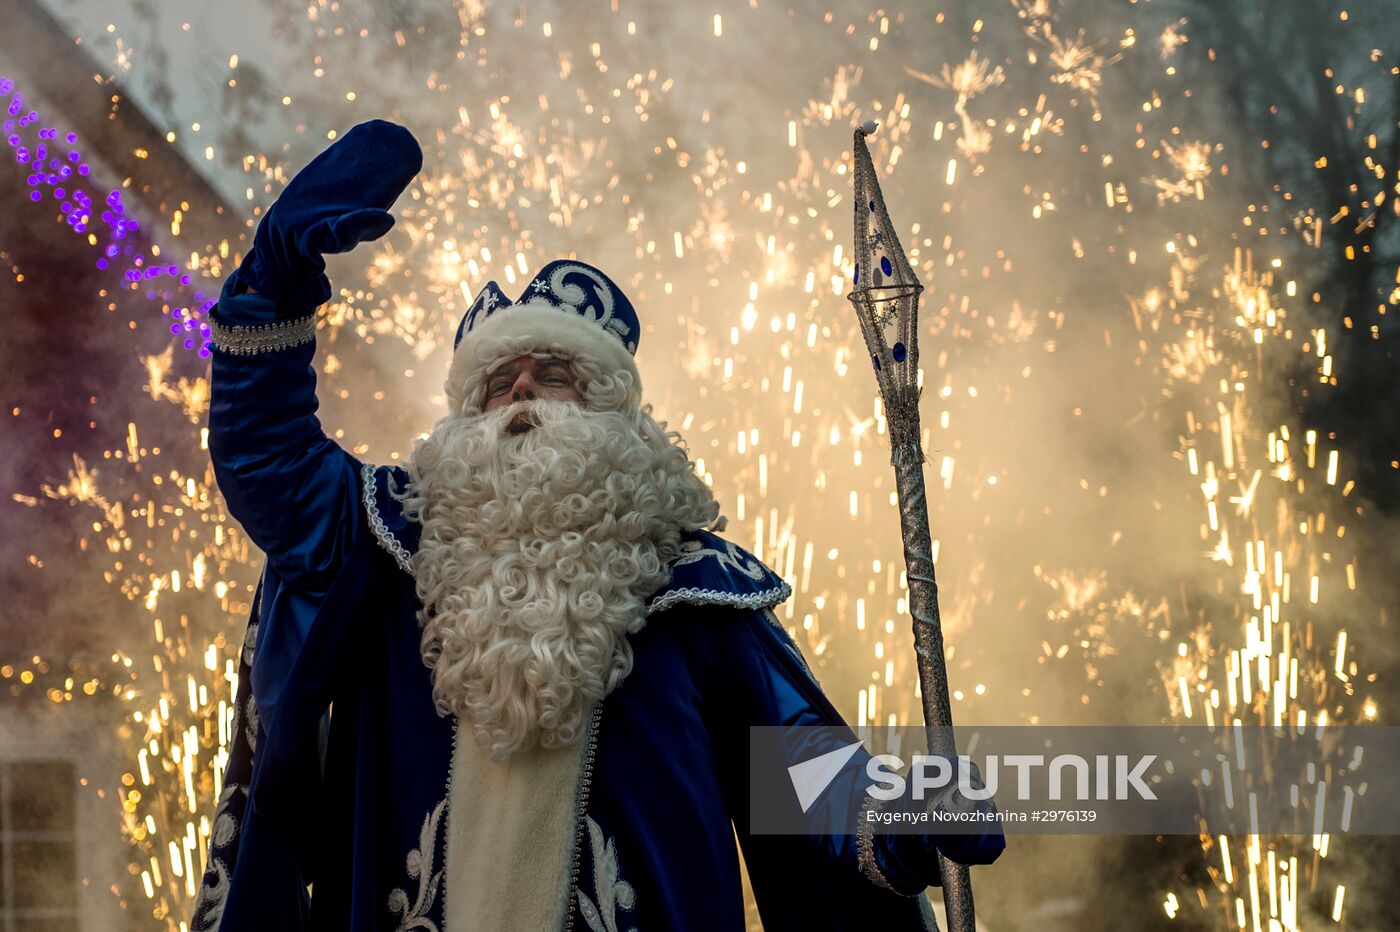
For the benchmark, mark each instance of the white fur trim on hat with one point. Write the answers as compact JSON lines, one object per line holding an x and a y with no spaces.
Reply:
{"x":533,"y":326}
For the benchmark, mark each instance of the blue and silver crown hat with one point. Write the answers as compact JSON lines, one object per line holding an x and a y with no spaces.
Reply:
{"x":569,"y":308}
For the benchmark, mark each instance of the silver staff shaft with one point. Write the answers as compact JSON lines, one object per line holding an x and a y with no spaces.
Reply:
{"x":886,"y":300}
{"x":928,"y":645}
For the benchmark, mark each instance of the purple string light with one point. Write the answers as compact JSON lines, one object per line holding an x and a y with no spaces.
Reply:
{"x":57,"y":168}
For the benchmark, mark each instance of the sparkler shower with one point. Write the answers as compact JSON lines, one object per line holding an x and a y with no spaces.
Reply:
{"x":1158,"y":240}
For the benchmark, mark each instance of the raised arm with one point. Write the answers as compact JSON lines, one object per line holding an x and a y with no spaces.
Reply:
{"x":289,"y":485}
{"x":295,"y":491}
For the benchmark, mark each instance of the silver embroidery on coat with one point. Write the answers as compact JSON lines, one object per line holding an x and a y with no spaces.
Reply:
{"x":382,"y":535}
{"x":420,"y":868}
{"x":251,"y":715}
{"x":610,"y":891}
{"x":213,"y":894}
{"x":585,"y":785}
{"x":693,"y":551}
{"x":263,"y":338}
{"x":250,"y":638}
{"x":447,"y":814}
{"x":694,"y":596}
{"x":400,"y":495}
{"x":731,"y":556}
{"x":213,"y":897}
{"x":250,"y":643}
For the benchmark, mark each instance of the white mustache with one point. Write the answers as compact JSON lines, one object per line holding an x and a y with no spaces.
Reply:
{"x":521,"y":417}
{"x":522,"y":423}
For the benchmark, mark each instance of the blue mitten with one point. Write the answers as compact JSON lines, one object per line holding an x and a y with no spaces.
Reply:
{"x":336,"y":202}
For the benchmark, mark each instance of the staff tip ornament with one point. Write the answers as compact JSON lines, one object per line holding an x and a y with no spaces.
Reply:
{"x":885,"y":292}
{"x":869,"y":127}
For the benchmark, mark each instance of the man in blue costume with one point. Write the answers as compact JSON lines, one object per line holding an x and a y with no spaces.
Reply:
{"x":509,"y":686}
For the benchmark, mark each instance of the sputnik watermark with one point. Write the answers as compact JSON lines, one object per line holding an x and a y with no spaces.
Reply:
{"x":1130,"y":780}
{"x":1115,"y":777}
{"x":941,"y":815}
{"x":811,"y":777}
{"x":1125,"y":773}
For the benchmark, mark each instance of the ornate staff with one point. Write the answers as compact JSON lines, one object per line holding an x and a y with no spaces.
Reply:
{"x":886,"y":298}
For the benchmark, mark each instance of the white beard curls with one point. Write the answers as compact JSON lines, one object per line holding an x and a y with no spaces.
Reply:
{"x":537,"y":553}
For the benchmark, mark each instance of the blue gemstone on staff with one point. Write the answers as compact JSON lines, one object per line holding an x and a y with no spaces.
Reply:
{"x":900,"y":352}
{"x":885,"y":265}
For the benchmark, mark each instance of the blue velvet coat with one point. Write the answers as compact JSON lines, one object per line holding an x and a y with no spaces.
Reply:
{"x":336,"y":821}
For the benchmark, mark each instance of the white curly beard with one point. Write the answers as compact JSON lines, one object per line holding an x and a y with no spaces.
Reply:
{"x":537,"y":553}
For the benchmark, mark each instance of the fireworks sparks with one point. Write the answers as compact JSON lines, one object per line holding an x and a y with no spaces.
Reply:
{"x":1257,"y":661}
{"x":191,"y":395}
{"x":1191,"y":166}
{"x":737,"y":265}
{"x":1172,"y":39}
{"x":1078,"y":64}
{"x":967,"y":80}
{"x":171,"y":550}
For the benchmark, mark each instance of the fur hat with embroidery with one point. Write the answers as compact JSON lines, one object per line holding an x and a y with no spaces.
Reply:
{"x":569,"y":309}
